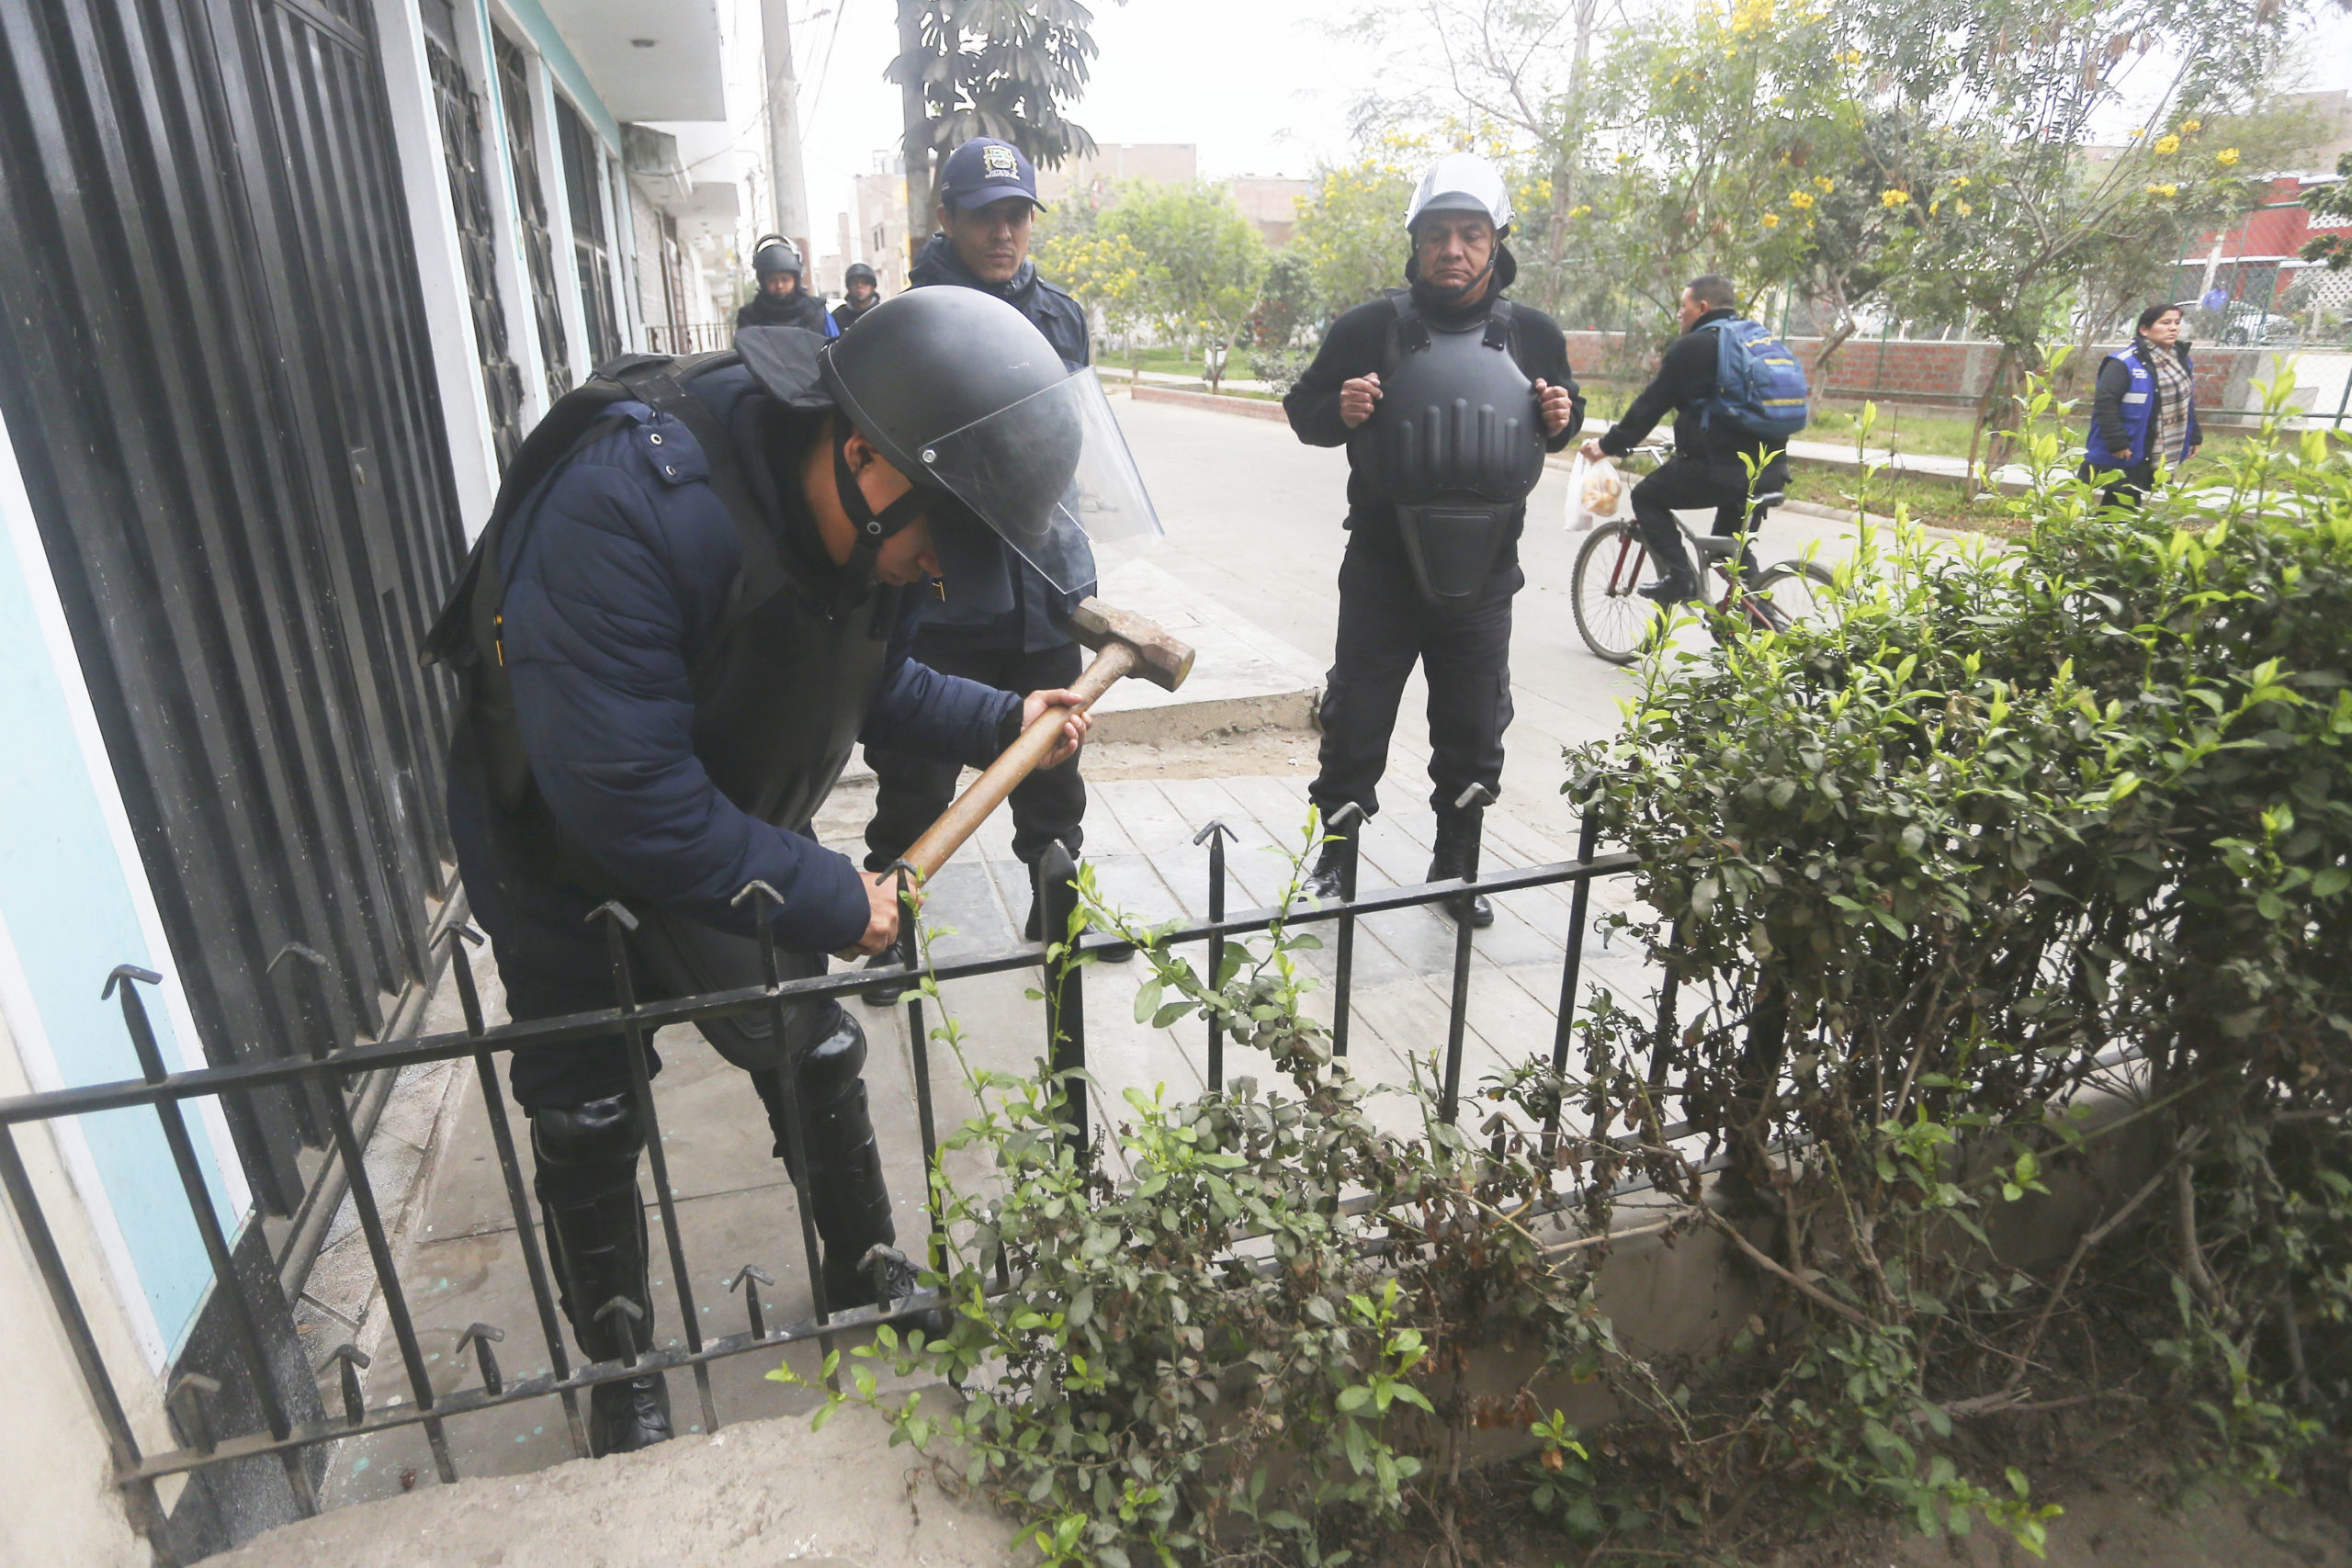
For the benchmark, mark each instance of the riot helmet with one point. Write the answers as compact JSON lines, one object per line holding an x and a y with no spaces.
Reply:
{"x":775,"y":253}
{"x":1463,"y":182}
{"x":961,"y":393}
{"x":857,"y":270}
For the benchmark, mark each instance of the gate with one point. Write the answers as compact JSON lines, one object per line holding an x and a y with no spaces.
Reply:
{"x":215,"y":372}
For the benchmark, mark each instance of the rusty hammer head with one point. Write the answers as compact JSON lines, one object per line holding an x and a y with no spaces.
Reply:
{"x":1160,"y":659}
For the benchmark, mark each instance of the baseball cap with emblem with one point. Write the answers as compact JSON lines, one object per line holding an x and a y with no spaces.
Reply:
{"x":984,"y":170}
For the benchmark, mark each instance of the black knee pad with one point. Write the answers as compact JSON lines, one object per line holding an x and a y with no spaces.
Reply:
{"x":833,"y":1064}
{"x":601,"y":1133}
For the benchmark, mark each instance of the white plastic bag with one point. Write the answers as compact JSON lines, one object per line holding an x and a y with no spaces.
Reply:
{"x":1598,"y":493}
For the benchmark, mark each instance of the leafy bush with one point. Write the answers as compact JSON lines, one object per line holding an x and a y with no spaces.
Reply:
{"x":1930,"y":861}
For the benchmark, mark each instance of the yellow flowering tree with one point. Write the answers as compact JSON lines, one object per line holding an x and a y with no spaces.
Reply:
{"x":1351,"y":226}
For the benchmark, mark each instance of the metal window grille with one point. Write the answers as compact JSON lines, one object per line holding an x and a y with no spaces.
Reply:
{"x":461,"y":145}
{"x":531,"y":205}
{"x":584,"y":186}
{"x":289,"y":1441}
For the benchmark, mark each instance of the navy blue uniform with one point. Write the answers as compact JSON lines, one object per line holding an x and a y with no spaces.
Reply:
{"x":612,"y":592}
{"x":1028,"y":647}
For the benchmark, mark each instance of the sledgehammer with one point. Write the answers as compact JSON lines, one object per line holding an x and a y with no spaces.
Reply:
{"x":1125,"y":644}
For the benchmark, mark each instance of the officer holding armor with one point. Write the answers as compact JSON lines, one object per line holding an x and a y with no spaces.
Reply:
{"x":1447,"y":396}
{"x":695,"y":597}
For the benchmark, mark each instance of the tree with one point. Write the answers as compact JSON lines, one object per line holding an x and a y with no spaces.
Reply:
{"x":1998,"y":213}
{"x":1202,"y":259}
{"x":1102,"y":269}
{"x":2332,"y":201}
{"x":1351,"y":229}
{"x":1001,"y":68}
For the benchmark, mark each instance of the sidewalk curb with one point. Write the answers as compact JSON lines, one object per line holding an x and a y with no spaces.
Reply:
{"x":1251,"y":408}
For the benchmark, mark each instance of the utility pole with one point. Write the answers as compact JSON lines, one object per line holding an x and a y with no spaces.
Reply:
{"x":784,"y":175}
{"x":916,"y":118}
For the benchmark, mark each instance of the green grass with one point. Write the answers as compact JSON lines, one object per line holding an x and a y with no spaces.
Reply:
{"x":1176,"y":361}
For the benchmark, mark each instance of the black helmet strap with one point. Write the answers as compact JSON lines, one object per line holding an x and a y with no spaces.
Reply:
{"x":872,"y":529}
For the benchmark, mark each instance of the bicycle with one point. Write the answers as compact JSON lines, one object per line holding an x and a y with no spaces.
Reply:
{"x":1617,"y":622}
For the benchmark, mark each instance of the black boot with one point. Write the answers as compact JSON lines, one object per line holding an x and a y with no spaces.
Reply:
{"x":586,"y":1182}
{"x":1675,"y":588}
{"x":1323,"y":883}
{"x":1448,"y":856}
{"x":890,"y":995}
{"x":847,"y":1196}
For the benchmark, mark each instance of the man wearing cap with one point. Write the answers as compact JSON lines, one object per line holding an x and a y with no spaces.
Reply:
{"x":1432,"y":560}
{"x":781,"y":301}
{"x":864,"y":290}
{"x":988,"y":201}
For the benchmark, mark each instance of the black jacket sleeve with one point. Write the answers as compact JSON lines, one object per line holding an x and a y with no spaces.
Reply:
{"x":1543,"y":355}
{"x":1354,"y":347}
{"x":2107,"y":408}
{"x":1686,"y":373}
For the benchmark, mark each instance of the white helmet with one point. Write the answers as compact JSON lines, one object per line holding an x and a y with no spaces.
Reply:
{"x":1462,"y":182}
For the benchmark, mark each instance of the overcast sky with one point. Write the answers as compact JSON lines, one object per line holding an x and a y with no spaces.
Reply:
{"x":1260,"y":87}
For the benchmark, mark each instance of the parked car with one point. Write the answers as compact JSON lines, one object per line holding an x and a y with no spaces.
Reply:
{"x":2247,"y":322}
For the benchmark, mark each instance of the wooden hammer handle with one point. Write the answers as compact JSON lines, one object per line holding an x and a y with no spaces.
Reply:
{"x":1017,"y":761}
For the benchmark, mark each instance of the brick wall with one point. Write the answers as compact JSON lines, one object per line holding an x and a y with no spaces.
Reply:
{"x":1904,"y":370}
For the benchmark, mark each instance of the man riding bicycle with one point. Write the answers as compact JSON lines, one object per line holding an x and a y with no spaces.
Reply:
{"x":1710,"y":463}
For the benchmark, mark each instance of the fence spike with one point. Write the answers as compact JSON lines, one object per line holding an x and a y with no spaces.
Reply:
{"x":482,"y":1335}
{"x":187,"y":1401}
{"x":353,"y":1360}
{"x":752,"y":1277}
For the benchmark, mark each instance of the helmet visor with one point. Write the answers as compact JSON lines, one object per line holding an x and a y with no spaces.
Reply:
{"x":1053,"y":477}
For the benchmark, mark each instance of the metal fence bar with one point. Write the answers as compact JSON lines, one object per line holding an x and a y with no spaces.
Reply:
{"x":310,"y":964}
{"x":527,"y":1235}
{"x":1571,"y":968}
{"x":618,"y":923}
{"x":1474,"y":801}
{"x":127,"y":978}
{"x":1214,"y":835}
{"x":1345,"y":822}
{"x":1065,"y":995}
{"x":122,"y":1443}
{"x":1065,"y":987}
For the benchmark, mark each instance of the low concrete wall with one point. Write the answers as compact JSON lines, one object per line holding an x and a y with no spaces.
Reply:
{"x":1254,"y":408}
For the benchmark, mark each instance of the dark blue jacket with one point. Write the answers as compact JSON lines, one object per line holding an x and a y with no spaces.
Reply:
{"x":1041,"y":614}
{"x":612,"y":594}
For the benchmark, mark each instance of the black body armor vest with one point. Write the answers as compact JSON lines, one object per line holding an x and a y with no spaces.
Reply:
{"x":1454,"y":442}
{"x":781,"y":691}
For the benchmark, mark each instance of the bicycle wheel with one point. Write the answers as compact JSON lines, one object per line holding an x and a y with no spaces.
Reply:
{"x":1793,"y":590}
{"x":1615,"y":621}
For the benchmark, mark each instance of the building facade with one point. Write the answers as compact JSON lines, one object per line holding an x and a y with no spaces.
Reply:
{"x":286,"y":282}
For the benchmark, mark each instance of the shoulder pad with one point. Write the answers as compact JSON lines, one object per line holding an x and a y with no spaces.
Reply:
{"x":666,"y":447}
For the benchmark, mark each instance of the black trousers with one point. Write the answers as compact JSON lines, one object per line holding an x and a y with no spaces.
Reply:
{"x":2130,"y":487}
{"x":1385,"y":628}
{"x":1679,"y":484}
{"x":911,"y":791}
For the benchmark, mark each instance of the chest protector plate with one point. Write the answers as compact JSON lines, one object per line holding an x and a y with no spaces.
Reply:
{"x":781,"y":691}
{"x":1454,"y":443}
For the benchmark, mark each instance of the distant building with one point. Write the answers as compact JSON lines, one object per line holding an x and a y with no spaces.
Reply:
{"x":881,"y":233}
{"x":1269,"y":201}
{"x":1094,"y":179}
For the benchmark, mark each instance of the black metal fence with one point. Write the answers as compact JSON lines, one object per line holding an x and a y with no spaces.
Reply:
{"x":196,"y":1403}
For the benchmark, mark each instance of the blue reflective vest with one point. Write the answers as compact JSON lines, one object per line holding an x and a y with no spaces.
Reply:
{"x":2139,"y":414}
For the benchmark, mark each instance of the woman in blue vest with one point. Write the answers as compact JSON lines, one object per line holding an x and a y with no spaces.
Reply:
{"x":2147,"y":410}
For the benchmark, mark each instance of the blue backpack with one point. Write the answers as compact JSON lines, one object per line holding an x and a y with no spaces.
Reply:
{"x":1760,"y":386}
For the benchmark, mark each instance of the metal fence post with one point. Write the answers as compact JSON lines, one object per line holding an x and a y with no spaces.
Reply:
{"x":1214,"y":835}
{"x":618,"y":923}
{"x":309,"y":970}
{"x":502,"y":1137}
{"x":146,"y":1510}
{"x":1347,"y":821}
{"x":788,"y":1084}
{"x":1474,"y":801}
{"x":1065,"y":986}
{"x":1571,"y":969}
{"x":127,"y":979}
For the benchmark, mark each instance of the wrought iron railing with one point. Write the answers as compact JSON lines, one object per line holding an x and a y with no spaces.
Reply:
{"x":288,"y":1440}
{"x":688,"y":337}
